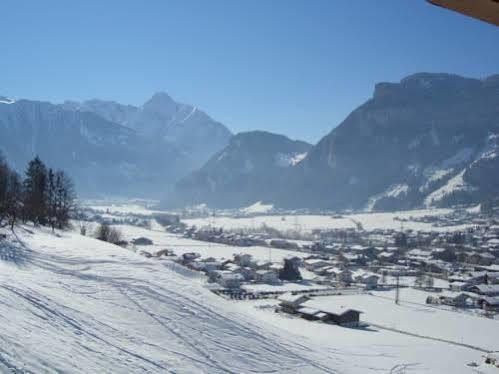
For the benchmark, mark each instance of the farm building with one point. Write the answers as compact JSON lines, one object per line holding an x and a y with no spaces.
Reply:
{"x":290,"y":303}
{"x":342,"y":315}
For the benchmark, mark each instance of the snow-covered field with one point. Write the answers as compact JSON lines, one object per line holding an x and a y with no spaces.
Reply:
{"x":307,"y":223}
{"x":74,"y":304}
{"x":180,"y":245}
{"x":419,"y":319}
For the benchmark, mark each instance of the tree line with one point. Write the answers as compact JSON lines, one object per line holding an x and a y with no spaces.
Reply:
{"x":45,"y":196}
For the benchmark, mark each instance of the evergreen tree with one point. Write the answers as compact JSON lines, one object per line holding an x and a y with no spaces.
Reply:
{"x":14,"y":198}
{"x":35,"y":189}
{"x":51,"y":199}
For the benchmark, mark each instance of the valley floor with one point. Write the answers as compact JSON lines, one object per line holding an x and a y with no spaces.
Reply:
{"x":73,"y":304}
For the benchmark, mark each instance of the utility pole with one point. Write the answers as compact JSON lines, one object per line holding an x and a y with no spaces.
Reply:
{"x":397,"y":290}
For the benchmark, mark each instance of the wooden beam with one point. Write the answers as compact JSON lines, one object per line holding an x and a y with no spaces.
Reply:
{"x":485,"y":10}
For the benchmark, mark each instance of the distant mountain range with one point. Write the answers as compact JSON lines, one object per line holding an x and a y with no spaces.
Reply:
{"x":110,"y":148}
{"x":430,"y":140}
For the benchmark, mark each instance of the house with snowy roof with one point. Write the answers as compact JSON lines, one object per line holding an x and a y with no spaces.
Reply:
{"x":485,"y":289}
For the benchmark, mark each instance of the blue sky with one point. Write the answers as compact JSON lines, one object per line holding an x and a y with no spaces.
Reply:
{"x":295,"y":67}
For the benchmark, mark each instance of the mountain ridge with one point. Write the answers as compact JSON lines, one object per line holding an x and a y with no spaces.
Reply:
{"x":97,"y":144}
{"x":424,"y":135}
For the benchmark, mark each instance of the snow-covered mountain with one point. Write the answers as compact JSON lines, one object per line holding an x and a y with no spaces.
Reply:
{"x":110,"y":148}
{"x":163,"y":119}
{"x":430,"y":139}
{"x":248,"y":170}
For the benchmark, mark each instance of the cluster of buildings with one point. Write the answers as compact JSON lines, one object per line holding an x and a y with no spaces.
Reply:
{"x":468,"y":259}
{"x":239,"y":270}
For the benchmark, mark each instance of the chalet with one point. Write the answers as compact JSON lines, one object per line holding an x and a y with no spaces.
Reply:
{"x":369,"y":280}
{"x":489,"y":303}
{"x":226,"y":279}
{"x":342,"y":315}
{"x":486,"y":289}
{"x":324,"y":270}
{"x":462,"y":300}
{"x":210,"y":266}
{"x":290,"y":303}
{"x":315,"y":263}
{"x":458,"y":286}
{"x":247,"y":272}
{"x":312,"y":314}
{"x":267,"y":276}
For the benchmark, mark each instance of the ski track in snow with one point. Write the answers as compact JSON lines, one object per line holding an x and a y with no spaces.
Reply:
{"x":74,"y":304}
{"x":66,"y":313}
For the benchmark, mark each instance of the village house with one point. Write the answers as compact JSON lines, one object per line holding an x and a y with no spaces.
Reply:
{"x":369,"y":280}
{"x":313,"y":264}
{"x":489,"y":303}
{"x":341,"y":315}
{"x":345,"y":276}
{"x":290,"y":303}
{"x":226,"y":278}
{"x":312,"y":314}
{"x":486,"y":289}
{"x":267,"y":276}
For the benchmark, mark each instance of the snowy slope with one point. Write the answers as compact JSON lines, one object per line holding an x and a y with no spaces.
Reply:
{"x":74,"y":304}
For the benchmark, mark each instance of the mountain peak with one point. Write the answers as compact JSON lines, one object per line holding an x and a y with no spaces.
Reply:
{"x":160,"y":97}
{"x":161,"y":104}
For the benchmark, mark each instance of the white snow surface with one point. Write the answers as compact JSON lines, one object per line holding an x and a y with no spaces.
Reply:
{"x":257,"y":207}
{"x":6,"y":100}
{"x":74,"y":304}
{"x":456,"y":183}
{"x":393,"y":191}
{"x":298,"y":158}
{"x":291,"y":159}
{"x":307,"y":223}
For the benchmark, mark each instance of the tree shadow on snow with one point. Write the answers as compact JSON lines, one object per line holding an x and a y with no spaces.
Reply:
{"x":14,"y":252}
